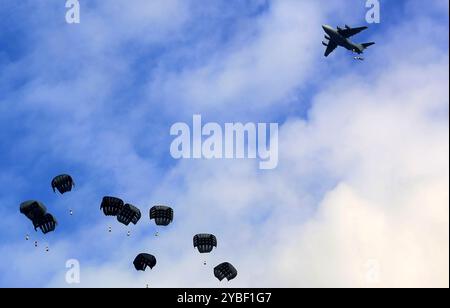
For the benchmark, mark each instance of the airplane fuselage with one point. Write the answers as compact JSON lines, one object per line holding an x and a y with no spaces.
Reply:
{"x":342,"y":41}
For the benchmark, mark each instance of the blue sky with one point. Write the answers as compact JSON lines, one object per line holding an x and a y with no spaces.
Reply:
{"x":361,"y":141}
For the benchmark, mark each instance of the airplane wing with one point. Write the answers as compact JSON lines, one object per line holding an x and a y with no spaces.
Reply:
{"x":330,"y":48}
{"x":349,"y":32}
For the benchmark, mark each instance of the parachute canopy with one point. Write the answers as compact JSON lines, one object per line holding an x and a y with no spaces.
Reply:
{"x":46,"y":223}
{"x":205,"y":242}
{"x":143,"y":260}
{"x":163,"y":215}
{"x":63,"y":183}
{"x":225,"y":270}
{"x":129,"y":213}
{"x":33,"y":209}
{"x":37,"y":213}
{"x":125,"y":213}
{"x":111,"y":206}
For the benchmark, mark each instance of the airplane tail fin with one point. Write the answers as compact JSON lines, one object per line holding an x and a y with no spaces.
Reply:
{"x":365,"y":45}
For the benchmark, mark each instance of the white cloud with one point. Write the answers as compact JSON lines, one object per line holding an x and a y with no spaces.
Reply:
{"x":276,"y":52}
{"x":383,"y":224}
{"x":362,"y":186}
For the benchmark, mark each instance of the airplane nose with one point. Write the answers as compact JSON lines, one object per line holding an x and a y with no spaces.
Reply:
{"x":325,"y":27}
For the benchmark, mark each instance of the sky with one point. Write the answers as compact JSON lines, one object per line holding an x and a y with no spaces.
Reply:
{"x":360,"y":195}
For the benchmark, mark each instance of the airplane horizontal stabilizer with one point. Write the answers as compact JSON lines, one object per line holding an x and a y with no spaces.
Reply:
{"x":365,"y":45}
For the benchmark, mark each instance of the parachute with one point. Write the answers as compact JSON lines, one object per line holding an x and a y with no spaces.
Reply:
{"x":205,"y":242}
{"x":111,"y":206}
{"x":63,"y":183}
{"x":37,"y":213}
{"x":125,"y":213}
{"x":163,"y":215}
{"x":129,"y":213}
{"x":33,"y":209}
{"x":143,"y":260}
{"x":46,"y":223}
{"x":225,"y":270}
